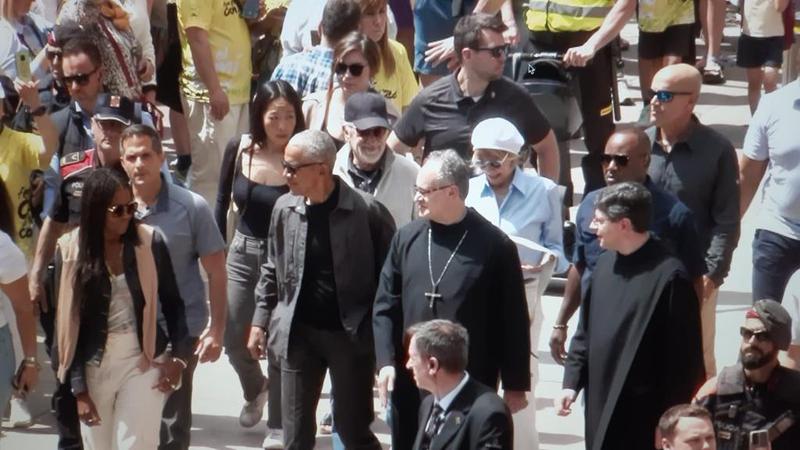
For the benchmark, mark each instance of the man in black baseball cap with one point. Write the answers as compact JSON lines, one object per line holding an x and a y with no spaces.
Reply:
{"x":757,"y":393}
{"x":367,"y":164}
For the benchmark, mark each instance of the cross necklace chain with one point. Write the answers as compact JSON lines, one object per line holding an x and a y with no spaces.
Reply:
{"x":434,"y":295}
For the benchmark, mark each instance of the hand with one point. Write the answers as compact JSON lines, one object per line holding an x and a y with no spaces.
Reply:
{"x":511,"y":35}
{"x":146,"y":69}
{"x":28,"y":378}
{"x":515,"y":400}
{"x":257,"y":343}
{"x":579,"y":56}
{"x":708,"y":287}
{"x":209,"y":346}
{"x":219,"y":104}
{"x":28,"y":93}
{"x":440,"y":51}
{"x":557,"y":340}
{"x":36,"y":292}
{"x":87,"y":413}
{"x":170,"y":377}
{"x":385,"y":384}
{"x":564,"y":401}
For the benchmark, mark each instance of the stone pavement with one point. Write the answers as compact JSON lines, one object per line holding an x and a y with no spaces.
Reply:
{"x":218,"y":399}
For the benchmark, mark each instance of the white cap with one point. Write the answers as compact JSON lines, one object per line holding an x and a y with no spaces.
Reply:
{"x":497,"y":134}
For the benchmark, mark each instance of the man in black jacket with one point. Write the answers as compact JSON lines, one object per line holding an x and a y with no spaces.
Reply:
{"x":325,"y":249}
{"x":460,"y":413}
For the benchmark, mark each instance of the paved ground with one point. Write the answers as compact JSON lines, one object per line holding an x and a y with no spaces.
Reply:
{"x":217,"y":397}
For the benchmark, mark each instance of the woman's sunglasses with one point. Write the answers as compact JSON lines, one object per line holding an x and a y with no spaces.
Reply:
{"x":81,"y":79}
{"x":619,"y":160}
{"x":355,"y":69}
{"x":667,"y":96}
{"x":122,"y":210}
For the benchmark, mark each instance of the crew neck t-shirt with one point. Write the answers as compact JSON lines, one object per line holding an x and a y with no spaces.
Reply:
{"x":12,"y":266}
{"x":400,"y":87}
{"x":19,"y":156}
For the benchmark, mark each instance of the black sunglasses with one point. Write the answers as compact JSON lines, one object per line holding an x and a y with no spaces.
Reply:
{"x":292,"y":169}
{"x":761,"y":336}
{"x":355,"y":69}
{"x":122,"y":210}
{"x":81,"y":79}
{"x":667,"y":96}
{"x":619,"y":160}
{"x":497,"y":52}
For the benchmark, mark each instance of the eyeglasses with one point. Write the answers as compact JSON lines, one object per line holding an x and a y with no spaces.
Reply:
{"x":292,"y":169}
{"x":497,"y":52}
{"x":122,"y":210}
{"x":619,"y":160}
{"x":426,"y":192}
{"x":664,"y":96}
{"x":493,"y":163}
{"x":377,"y":133}
{"x":355,"y":69}
{"x":81,"y":79}
{"x":761,"y":335}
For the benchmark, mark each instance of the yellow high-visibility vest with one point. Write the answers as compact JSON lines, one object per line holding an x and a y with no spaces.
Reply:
{"x":566,"y":15}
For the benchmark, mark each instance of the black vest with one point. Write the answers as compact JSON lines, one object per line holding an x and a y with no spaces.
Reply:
{"x":738,"y":409}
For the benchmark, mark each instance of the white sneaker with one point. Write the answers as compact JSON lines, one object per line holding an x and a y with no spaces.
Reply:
{"x":20,"y":415}
{"x":253,"y":410}
{"x":273,"y":439}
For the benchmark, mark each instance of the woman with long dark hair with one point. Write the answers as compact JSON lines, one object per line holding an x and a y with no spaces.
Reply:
{"x":114,"y":276}
{"x":252,"y":175}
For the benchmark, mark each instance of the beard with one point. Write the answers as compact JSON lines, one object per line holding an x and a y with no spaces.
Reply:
{"x":753,"y":358}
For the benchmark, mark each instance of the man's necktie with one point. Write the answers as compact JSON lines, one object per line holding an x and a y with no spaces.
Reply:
{"x":434,"y":424}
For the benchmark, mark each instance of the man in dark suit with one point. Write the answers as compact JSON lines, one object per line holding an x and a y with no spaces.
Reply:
{"x":326,"y":245}
{"x":460,"y":413}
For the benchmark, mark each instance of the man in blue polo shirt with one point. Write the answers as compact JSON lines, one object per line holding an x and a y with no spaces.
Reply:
{"x":626,"y":158}
{"x":193,"y":239}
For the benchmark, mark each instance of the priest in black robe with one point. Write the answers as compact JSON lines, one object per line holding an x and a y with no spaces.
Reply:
{"x":638,"y":347}
{"x":450,"y":264}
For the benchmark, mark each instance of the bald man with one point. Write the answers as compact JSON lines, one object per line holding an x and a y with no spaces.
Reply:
{"x":626,"y":158}
{"x":699,"y":166}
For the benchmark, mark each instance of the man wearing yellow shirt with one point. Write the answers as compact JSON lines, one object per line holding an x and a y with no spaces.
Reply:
{"x":215,"y":84}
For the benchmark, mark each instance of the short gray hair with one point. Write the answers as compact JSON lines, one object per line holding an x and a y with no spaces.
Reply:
{"x":317,"y":145}
{"x":452,"y":169}
{"x":444,"y":340}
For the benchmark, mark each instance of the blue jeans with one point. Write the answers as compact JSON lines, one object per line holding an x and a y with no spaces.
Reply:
{"x":7,"y":365}
{"x":775,"y":259}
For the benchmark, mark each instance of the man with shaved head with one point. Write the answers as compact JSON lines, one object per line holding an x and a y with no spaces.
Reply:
{"x":626,"y":158}
{"x":699,"y":166}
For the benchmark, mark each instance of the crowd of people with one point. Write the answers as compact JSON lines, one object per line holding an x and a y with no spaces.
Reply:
{"x":363,"y":190}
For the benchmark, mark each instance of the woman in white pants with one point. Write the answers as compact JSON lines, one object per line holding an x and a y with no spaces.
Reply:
{"x":114,"y":274}
{"x":527,"y":208}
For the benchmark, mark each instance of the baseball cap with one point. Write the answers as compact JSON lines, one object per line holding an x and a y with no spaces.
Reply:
{"x":366,"y":110}
{"x":497,"y":134}
{"x":114,"y":107}
{"x":776,"y":320}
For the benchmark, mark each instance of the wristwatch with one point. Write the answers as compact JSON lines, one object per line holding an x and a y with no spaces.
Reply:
{"x":40,"y":111}
{"x":30,"y":361}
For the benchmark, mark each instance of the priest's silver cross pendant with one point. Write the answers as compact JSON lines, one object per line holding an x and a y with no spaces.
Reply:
{"x":432,"y":297}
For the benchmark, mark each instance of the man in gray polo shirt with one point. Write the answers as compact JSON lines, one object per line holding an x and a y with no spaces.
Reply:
{"x":771,"y":148}
{"x":188,"y":225}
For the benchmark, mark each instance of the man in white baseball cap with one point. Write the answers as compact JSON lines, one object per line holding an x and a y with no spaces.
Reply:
{"x":527,"y":208}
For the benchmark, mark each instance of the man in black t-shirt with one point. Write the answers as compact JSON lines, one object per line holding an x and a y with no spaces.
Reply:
{"x":445,"y":112}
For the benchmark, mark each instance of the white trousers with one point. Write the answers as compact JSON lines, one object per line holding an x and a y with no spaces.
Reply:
{"x":208,"y":138}
{"x":128,"y":406}
{"x":525,"y":435}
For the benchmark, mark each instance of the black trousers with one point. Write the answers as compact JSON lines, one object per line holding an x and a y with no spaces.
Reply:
{"x":404,"y":417}
{"x":352,"y":367}
{"x":66,"y":412}
{"x":176,"y":419}
{"x":596,"y":105}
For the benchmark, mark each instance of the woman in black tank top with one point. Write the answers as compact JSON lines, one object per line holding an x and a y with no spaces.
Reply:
{"x":252,"y":176}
